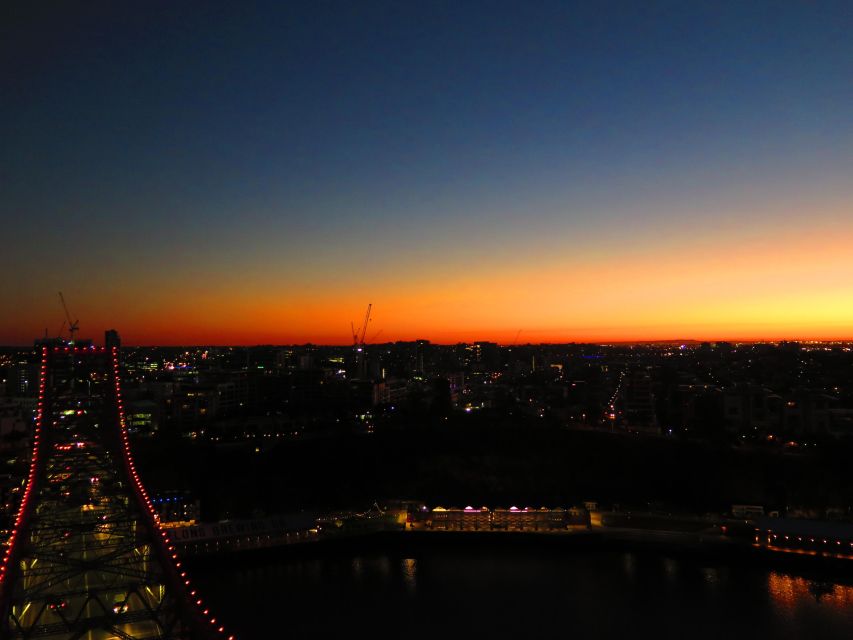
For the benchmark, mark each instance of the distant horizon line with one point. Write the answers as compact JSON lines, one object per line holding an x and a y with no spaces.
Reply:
{"x":599,"y":343}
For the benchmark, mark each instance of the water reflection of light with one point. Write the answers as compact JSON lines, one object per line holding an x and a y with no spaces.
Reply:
{"x":314,"y":571}
{"x":711,"y":575}
{"x":410,"y":573}
{"x":356,"y":567}
{"x":788,"y":592}
{"x":629,"y":562}
{"x":670,"y":567}
{"x":383,"y":566}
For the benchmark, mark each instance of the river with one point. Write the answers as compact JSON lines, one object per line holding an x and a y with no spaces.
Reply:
{"x":518,"y":591}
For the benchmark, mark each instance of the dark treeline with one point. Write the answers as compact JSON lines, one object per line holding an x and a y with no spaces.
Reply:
{"x":472,"y":462}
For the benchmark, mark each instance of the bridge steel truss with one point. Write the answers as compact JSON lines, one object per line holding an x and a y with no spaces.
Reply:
{"x":87,"y":557}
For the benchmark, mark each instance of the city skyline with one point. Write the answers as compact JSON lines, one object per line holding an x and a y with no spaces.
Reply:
{"x":324,"y":319}
{"x":232,"y":175}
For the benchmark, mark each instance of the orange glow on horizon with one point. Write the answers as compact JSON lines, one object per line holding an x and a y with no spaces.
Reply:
{"x":787,"y":284}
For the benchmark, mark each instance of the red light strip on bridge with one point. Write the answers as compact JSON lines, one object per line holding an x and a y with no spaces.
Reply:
{"x":23,"y":510}
{"x":203,"y":613}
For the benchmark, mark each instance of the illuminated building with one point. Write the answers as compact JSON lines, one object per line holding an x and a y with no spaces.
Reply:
{"x":143,"y":416}
{"x":391,"y":391}
{"x":457,"y":386}
{"x":22,"y":380}
{"x":486,"y":356}
{"x":512,"y":519}
{"x":177,"y":508}
{"x":638,"y":402}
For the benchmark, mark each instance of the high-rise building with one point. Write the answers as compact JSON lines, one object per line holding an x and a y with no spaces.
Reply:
{"x":112,"y":339}
{"x":638,"y":401}
{"x":421,"y":349}
{"x":22,"y":379}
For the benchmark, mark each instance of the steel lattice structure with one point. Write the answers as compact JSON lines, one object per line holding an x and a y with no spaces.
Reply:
{"x":87,"y":557}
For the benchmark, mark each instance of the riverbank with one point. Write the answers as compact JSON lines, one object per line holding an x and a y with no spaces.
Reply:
{"x":713,"y":550}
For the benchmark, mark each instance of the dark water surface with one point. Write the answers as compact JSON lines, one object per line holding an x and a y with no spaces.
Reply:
{"x":517,"y":591}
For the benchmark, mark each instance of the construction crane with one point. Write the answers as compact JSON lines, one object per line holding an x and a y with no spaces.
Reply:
{"x":364,"y":326}
{"x":58,"y":333}
{"x":358,"y":342}
{"x":73,"y":325}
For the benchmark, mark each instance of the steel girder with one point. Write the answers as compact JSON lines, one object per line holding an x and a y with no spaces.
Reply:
{"x":88,"y":559}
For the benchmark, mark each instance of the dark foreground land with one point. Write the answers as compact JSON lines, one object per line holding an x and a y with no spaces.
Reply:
{"x":465,"y":463}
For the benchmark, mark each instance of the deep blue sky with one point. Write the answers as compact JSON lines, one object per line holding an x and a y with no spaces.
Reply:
{"x":341,"y":149}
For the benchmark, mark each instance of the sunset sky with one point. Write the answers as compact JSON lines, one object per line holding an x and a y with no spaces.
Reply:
{"x":213,"y":173}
